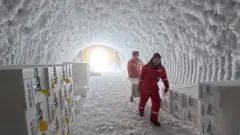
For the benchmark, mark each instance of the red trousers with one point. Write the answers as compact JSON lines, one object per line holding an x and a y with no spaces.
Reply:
{"x":156,"y":102}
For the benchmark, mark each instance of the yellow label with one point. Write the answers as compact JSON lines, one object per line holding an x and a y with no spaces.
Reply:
{"x":45,"y":92}
{"x":66,"y":80}
{"x":57,"y":134}
{"x":68,"y":99}
{"x":54,"y":84}
{"x":54,"y":110}
{"x":43,"y":126}
{"x":67,"y":120}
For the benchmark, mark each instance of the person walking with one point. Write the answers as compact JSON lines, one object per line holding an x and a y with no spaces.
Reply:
{"x":151,"y":73}
{"x":134,"y":67}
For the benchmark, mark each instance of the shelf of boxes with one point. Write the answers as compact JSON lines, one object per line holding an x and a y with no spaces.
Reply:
{"x":67,"y":99}
{"x":24,"y":106}
{"x":51,"y":86}
{"x":80,"y":77}
{"x":42,"y":95}
{"x":210,"y":108}
{"x":166,"y":102}
{"x":165,"y":98}
{"x":176,"y":104}
{"x":186,"y":99}
{"x":67,"y":120}
{"x":220,"y":108}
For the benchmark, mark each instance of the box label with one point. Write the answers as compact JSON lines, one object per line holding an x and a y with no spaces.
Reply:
{"x":32,"y":127}
{"x":29,"y":93}
{"x":43,"y":126}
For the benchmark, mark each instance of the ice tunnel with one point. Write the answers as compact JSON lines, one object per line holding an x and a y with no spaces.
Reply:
{"x":198,"y":39}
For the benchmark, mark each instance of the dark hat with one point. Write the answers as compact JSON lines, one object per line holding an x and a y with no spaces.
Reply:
{"x":156,"y":55}
{"x":134,"y":53}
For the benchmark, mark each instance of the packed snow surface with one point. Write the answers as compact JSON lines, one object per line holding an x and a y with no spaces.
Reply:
{"x":200,"y":38}
{"x":108,"y":111}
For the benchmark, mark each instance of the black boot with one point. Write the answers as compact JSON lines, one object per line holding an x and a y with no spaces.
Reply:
{"x":131,"y":99}
{"x":141,"y":114}
{"x":156,"y":123}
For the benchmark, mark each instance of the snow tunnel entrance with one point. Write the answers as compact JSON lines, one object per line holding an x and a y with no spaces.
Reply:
{"x":101,"y":58}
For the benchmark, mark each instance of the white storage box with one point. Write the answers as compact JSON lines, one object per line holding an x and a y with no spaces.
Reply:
{"x":45,"y":76}
{"x":54,"y":105}
{"x":191,"y":118}
{"x":220,"y":108}
{"x":42,"y":116}
{"x":189,"y":98}
{"x":166,"y":102}
{"x":165,"y":98}
{"x":26,"y":89}
{"x":56,"y":126}
{"x":17,"y":95}
{"x":78,"y":103}
{"x":55,"y":78}
{"x":46,"y":79}
{"x":25,"y":127}
{"x":67,"y":90}
{"x":81,"y":74}
{"x":31,"y":127}
{"x":176,"y":104}
{"x":80,"y":77}
{"x":177,"y":109}
{"x":67,"y":123}
{"x":68,"y":112}
{"x":191,"y":103}
{"x":82,"y":91}
{"x":132,"y":85}
{"x":68,"y":69}
{"x":64,"y":72}
{"x":66,"y":96}
{"x":68,"y":129}
{"x":207,"y":128}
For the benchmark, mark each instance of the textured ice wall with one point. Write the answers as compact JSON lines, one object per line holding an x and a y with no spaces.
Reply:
{"x":199,"y":39}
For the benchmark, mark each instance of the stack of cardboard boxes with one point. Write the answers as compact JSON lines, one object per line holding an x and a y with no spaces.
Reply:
{"x":210,"y":108}
{"x":80,"y":78}
{"x":36,"y":100}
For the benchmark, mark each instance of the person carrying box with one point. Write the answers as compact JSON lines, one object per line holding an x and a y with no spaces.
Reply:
{"x":134,"y":67}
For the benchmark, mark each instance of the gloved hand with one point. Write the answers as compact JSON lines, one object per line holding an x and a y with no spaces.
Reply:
{"x":166,"y":90}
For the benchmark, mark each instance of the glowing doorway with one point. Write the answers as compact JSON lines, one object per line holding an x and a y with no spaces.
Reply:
{"x":99,"y":60}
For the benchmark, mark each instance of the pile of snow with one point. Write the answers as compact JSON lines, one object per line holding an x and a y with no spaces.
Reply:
{"x":200,"y":38}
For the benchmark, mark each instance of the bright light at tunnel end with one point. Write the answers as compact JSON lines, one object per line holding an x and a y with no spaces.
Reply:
{"x":99,"y":61}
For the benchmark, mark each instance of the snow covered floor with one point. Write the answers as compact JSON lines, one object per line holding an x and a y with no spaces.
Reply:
{"x":107,"y":111}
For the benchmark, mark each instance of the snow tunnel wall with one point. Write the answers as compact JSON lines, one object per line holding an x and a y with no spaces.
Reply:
{"x":199,"y":39}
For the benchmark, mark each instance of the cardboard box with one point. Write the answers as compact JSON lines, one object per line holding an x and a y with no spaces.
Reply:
{"x":220,"y":107}
{"x":133,"y":87}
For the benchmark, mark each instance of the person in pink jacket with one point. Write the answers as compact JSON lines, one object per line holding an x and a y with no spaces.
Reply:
{"x":134,"y":67}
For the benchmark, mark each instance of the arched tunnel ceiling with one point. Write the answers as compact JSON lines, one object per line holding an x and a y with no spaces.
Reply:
{"x":199,"y":37}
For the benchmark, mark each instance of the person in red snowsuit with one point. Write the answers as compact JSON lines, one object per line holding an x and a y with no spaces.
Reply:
{"x":134,"y":67}
{"x":151,"y":73}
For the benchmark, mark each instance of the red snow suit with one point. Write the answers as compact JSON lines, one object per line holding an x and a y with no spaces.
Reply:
{"x":148,"y":84}
{"x":134,"y":68}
